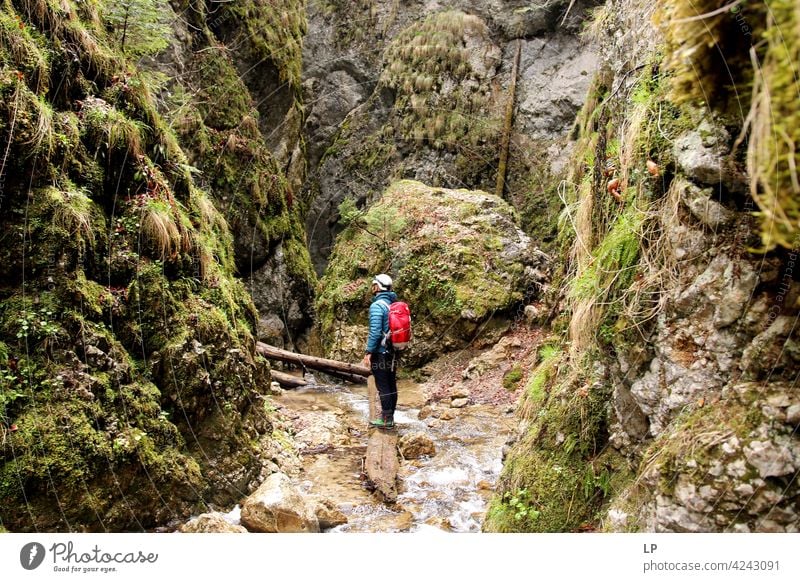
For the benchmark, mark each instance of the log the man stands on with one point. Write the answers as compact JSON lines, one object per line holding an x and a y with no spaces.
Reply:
{"x":381,"y":463}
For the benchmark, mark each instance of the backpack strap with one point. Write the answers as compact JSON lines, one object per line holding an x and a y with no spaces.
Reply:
{"x":387,"y":337}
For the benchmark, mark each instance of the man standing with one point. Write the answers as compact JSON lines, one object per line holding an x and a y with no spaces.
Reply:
{"x":380,"y":356}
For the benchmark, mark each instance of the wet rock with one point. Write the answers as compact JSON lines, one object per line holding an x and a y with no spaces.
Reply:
{"x":425,"y":412}
{"x":415,"y":445}
{"x":210,"y":523}
{"x":448,"y":414}
{"x":320,"y":429}
{"x":328,"y":514}
{"x":440,"y":522}
{"x":400,"y":522}
{"x":278,"y":507}
{"x":459,"y":402}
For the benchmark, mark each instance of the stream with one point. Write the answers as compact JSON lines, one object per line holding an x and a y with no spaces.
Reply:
{"x":448,"y":491}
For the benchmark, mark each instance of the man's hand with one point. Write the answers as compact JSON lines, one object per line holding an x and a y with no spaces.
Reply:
{"x":367,"y":361}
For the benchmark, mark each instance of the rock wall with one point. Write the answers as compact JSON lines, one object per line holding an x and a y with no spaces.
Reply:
{"x":663,"y":399}
{"x":376,"y":113}
{"x":130,"y":392}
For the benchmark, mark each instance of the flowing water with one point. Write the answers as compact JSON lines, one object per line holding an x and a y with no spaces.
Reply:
{"x":448,"y":491}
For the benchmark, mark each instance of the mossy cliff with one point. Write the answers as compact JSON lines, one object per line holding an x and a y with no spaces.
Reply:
{"x":233,"y":97}
{"x":130,"y":392}
{"x":456,"y":256}
{"x":662,"y":401}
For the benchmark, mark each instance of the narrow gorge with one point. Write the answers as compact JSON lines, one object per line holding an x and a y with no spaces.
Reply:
{"x":592,"y":209}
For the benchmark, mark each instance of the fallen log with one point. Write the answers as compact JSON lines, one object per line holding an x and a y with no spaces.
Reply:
{"x":332,"y":367}
{"x":352,"y":378}
{"x":381,"y":463}
{"x":287,"y":380}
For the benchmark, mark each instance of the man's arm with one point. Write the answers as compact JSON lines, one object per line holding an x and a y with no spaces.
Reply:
{"x":375,"y":328}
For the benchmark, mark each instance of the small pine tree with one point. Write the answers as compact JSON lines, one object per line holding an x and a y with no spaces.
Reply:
{"x":141,"y":27}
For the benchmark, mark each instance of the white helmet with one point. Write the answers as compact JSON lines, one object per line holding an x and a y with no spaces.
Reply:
{"x":383,"y":281}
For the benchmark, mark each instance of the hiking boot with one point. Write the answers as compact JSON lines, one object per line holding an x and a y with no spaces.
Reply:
{"x":382,"y":423}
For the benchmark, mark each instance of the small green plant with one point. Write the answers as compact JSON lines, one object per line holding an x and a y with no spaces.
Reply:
{"x":512,"y":378}
{"x":596,"y":481}
{"x":39,"y":325}
{"x":520,"y":504}
{"x":349,"y":212}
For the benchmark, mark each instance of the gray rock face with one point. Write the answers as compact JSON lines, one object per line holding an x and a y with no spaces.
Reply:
{"x":346,"y":105}
{"x":555,"y":73}
{"x":282,"y":298}
{"x":726,"y":467}
{"x":702,"y":155}
{"x":278,"y":507}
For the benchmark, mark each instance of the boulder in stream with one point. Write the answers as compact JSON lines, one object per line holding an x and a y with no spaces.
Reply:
{"x":278,"y":507}
{"x":415,"y":445}
{"x":328,"y":514}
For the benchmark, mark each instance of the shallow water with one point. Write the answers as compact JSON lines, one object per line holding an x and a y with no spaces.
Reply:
{"x":446,"y":492}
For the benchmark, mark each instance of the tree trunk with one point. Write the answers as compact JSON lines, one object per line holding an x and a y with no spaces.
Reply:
{"x":508,"y":125}
{"x":287,"y":380}
{"x":382,"y":462}
{"x":333,"y":367}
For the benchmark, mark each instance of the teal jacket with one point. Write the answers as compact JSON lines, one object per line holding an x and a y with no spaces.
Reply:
{"x":379,"y":321}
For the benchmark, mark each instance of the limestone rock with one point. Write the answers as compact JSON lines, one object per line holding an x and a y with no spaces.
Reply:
{"x":459,"y":402}
{"x":702,"y":155}
{"x":278,"y":507}
{"x":772,"y":459}
{"x":210,"y":523}
{"x":328,"y":514}
{"x":703,"y":206}
{"x":415,"y":445}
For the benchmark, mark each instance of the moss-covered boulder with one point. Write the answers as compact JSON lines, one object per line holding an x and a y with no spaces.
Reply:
{"x":457,"y":257}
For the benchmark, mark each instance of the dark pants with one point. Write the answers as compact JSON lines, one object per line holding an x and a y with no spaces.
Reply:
{"x":384,"y":368}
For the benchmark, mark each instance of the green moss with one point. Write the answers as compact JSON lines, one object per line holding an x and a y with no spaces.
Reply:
{"x":91,"y":193}
{"x":23,"y":48}
{"x":275,"y":32}
{"x":419,"y":63}
{"x":224,"y":99}
{"x":774,"y":153}
{"x":512,"y":378}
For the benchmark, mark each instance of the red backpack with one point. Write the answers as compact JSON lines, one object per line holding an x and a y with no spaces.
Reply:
{"x":399,"y":325}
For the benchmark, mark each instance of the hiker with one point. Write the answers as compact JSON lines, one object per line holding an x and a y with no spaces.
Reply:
{"x":380,"y":356}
